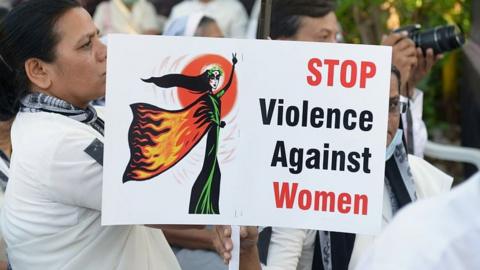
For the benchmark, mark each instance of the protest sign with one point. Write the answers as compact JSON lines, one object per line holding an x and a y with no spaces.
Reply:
{"x":245,"y":132}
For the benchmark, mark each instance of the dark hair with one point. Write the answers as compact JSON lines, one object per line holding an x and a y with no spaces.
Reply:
{"x":205,"y":20}
{"x":287,"y":14}
{"x":3,"y":12}
{"x":397,"y":73}
{"x":28,"y":31}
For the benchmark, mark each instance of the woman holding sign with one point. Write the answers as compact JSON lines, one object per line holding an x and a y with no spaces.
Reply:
{"x":52,"y":66}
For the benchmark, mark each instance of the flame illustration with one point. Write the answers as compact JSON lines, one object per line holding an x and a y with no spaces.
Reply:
{"x":160,"y":138}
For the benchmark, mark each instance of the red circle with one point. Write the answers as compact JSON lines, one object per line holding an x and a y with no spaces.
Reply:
{"x":196,"y":67}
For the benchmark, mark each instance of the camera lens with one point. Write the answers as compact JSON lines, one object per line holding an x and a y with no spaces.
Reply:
{"x":440,"y":39}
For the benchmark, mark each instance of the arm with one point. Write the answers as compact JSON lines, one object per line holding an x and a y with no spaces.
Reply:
{"x":224,"y":90}
{"x":286,"y":246}
{"x":191,"y":239}
{"x":404,"y":56}
{"x":175,"y":227}
{"x":425,"y":64}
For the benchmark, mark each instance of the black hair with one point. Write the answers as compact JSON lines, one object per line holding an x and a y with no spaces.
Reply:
{"x":28,"y":31}
{"x":3,"y":12}
{"x":396,"y":72}
{"x":205,"y":20}
{"x":287,"y":14}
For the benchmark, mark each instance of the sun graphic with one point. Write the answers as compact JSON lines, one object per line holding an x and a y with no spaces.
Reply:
{"x":200,"y":65}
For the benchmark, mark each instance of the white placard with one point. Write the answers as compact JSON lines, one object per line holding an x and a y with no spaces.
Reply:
{"x":296,"y":140}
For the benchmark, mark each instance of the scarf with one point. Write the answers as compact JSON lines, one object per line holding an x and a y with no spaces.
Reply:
{"x":4,"y":170}
{"x":332,"y":250}
{"x":39,"y":102}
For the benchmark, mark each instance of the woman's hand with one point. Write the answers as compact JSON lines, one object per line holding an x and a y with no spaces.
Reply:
{"x":234,"y":58}
{"x":248,"y":246}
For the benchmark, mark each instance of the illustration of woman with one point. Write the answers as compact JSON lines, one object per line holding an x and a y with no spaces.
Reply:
{"x":160,"y":138}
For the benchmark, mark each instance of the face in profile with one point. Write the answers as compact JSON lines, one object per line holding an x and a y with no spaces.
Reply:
{"x":318,"y":29}
{"x":393,"y":109}
{"x":78,"y":72}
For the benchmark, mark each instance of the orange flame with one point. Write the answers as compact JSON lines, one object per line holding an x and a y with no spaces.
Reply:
{"x":160,"y":138}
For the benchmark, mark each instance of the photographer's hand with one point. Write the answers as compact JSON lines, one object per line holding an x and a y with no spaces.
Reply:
{"x":404,"y":55}
{"x":425,"y":63}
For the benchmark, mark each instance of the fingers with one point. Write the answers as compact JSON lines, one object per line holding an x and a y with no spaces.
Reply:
{"x":225,"y":244}
{"x":394,"y":38}
{"x":404,"y":45}
{"x":429,"y":60}
{"x":243,"y":232}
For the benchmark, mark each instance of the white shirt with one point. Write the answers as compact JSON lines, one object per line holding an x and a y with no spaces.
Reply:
{"x":5,"y":4}
{"x":52,"y":207}
{"x":114,"y":17}
{"x":442,"y":233}
{"x":420,"y":136}
{"x":230,"y":15}
{"x":4,"y":170}
{"x":292,"y":249}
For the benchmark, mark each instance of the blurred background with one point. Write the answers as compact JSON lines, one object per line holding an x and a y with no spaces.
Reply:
{"x":451,"y":91}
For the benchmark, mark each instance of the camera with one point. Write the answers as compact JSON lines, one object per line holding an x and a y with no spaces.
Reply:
{"x":441,"y":38}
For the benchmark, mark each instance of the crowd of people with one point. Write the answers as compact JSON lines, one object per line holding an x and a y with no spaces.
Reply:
{"x":53,"y":68}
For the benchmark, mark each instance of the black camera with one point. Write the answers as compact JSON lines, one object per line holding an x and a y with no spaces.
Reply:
{"x":441,"y":38}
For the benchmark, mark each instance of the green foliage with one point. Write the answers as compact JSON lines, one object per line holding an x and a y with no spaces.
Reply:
{"x":365,"y":21}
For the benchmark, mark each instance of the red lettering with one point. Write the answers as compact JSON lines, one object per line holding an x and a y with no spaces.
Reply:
{"x":305,"y":199}
{"x":367,"y":70}
{"x":363,"y":200}
{"x":330,"y":63}
{"x":344,"y":201}
{"x":324,"y":198}
{"x":284,"y":195}
{"x":313,"y":65}
{"x":348,"y":83}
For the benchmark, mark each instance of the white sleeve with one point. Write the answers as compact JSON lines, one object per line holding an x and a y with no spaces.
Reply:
{"x":75,"y":177}
{"x":238,"y":26}
{"x":149,"y":19}
{"x":420,"y":136}
{"x":285,"y":249}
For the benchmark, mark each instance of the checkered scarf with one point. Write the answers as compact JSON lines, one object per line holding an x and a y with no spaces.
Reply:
{"x":39,"y":102}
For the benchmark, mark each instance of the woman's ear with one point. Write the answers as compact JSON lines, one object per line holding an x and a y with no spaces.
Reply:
{"x":37,"y":73}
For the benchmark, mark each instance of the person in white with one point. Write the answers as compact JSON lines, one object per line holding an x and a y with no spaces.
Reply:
{"x":194,"y":25}
{"x":294,"y":248}
{"x":441,"y":233}
{"x":126,"y":16}
{"x":52,"y":208}
{"x":5,"y":4}
{"x":230,"y":15}
{"x":5,"y":153}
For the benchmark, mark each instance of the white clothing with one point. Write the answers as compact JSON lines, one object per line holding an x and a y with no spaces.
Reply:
{"x":441,"y":233}
{"x":4,"y":171}
{"x":292,"y":249}
{"x":114,"y":17}
{"x":429,"y":182}
{"x":6,"y":4}
{"x":253,"y":22}
{"x":418,"y":126}
{"x":230,"y":15}
{"x":52,"y":208}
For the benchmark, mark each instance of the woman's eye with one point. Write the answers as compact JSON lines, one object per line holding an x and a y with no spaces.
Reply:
{"x":87,"y":45}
